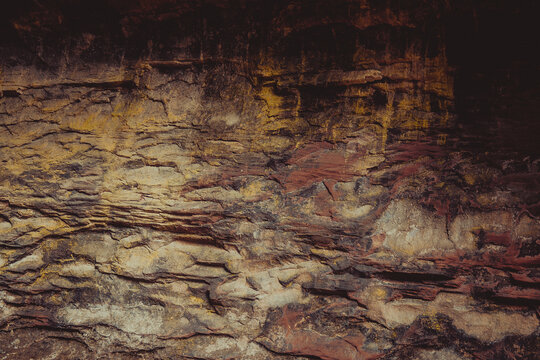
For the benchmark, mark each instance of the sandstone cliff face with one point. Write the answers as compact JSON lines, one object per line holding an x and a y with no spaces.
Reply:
{"x":267,"y":180}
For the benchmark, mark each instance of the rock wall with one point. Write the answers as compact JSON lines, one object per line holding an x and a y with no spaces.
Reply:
{"x":269,"y":180}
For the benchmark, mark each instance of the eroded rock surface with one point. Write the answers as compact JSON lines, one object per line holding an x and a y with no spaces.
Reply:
{"x":263,"y":180}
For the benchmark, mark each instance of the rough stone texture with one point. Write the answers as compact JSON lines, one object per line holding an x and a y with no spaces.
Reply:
{"x":269,"y":180}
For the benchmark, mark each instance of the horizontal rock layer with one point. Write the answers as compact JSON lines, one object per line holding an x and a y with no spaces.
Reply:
{"x":266,"y":180}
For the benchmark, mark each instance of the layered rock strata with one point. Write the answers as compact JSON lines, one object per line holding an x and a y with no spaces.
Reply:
{"x":265,"y":180}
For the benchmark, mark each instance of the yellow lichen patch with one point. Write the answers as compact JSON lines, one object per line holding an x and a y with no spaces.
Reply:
{"x":44,"y":276}
{"x":441,"y":139}
{"x":437,"y":77}
{"x":378,"y":293}
{"x":325,"y":253}
{"x":89,"y":124}
{"x":470,"y":179}
{"x":51,"y":246}
{"x":273,"y":102}
{"x":271,"y":143}
{"x":408,"y":104}
{"x":197,"y":300}
{"x":308,"y":208}
{"x":126,"y":110}
{"x":4,"y":258}
{"x":433,"y":322}
{"x":57,"y":274}
{"x":360,"y":107}
{"x":75,"y":148}
{"x":268,"y":67}
{"x":56,"y":299}
{"x":217,"y":147}
{"x":253,"y":190}
{"x":351,"y":211}
{"x":368,"y":162}
{"x":50,"y":153}
{"x":55,"y":105}
{"x":479,"y":175}
{"x":141,"y":114}
{"x":37,"y":228}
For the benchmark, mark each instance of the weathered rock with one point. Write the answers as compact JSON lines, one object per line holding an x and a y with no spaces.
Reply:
{"x":268,"y":180}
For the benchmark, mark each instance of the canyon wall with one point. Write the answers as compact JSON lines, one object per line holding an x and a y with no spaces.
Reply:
{"x":269,"y":180}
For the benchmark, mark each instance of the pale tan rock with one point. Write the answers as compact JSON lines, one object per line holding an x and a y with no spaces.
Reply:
{"x":141,"y":319}
{"x":462,"y":228}
{"x":31,"y":262}
{"x":488,"y":325}
{"x":411,"y":230}
{"x":141,"y":261}
{"x":527,"y":227}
